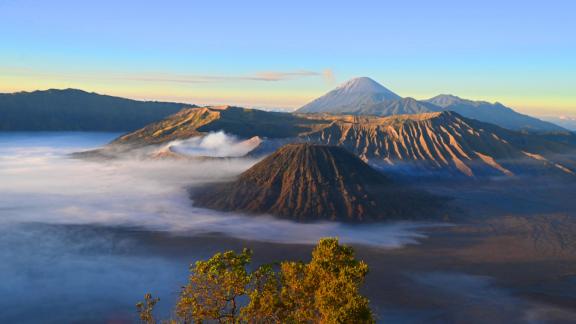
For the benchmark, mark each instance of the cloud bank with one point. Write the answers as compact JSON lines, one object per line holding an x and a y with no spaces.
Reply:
{"x":39,"y":184}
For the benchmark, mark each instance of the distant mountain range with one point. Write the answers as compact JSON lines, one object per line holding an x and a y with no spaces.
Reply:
{"x":431,"y":138}
{"x":77,"y":110}
{"x":306,"y":182}
{"x":429,"y":143}
{"x":564,"y":121}
{"x":364,"y":96}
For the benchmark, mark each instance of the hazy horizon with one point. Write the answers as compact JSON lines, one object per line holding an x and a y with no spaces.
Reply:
{"x":259,"y":54}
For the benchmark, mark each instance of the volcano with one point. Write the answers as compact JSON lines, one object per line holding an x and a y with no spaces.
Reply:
{"x":306,"y":182}
{"x":350,"y":96}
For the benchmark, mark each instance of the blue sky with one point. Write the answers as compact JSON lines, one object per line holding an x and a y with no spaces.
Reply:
{"x":266,"y":53}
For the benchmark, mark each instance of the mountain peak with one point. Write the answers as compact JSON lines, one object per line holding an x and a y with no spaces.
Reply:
{"x":358,"y":92}
{"x":365,"y":85}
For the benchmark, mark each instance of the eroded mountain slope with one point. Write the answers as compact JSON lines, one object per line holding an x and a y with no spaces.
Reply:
{"x":447,"y":142}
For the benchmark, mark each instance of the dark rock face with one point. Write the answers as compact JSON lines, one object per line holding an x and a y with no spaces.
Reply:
{"x":307,"y":182}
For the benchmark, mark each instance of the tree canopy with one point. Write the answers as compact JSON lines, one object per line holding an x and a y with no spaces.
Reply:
{"x":223,"y":290}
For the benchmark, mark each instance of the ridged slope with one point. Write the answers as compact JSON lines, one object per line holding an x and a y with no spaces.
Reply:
{"x":445,"y":142}
{"x":183,"y":124}
{"x":430,"y":142}
{"x":307,"y":182}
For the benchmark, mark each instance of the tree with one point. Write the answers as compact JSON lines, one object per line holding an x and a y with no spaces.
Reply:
{"x":325,"y":290}
{"x":146,"y":308}
{"x":214,"y":287}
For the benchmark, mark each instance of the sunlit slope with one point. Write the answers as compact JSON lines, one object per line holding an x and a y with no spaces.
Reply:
{"x":435,"y":143}
{"x":241,"y":122}
{"x":446,"y":142}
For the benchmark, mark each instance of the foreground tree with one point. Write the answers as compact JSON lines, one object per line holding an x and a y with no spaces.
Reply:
{"x":145,"y":309}
{"x":325,"y":290}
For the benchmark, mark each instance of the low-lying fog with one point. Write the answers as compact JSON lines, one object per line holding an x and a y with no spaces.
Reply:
{"x":69,"y":241}
{"x":39,"y":183}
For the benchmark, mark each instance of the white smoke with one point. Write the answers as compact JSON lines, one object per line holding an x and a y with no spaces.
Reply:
{"x":218,"y":144}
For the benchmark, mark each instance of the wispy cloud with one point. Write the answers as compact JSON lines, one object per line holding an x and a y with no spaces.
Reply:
{"x":264,"y":76}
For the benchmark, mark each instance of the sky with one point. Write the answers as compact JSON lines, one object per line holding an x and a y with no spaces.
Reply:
{"x":274,"y":54}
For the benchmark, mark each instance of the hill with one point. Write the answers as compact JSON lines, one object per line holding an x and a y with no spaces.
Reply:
{"x":77,"y":110}
{"x":306,"y":182}
{"x":242,"y":122}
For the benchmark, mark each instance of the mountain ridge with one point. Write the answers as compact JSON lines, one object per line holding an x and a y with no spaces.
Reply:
{"x":495,"y":113}
{"x":78,"y":110}
{"x":446,"y":141}
{"x":371,"y":103}
{"x":426,"y":143}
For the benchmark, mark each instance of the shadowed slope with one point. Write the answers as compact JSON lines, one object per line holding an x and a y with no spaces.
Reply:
{"x":77,"y":110}
{"x":495,"y":113}
{"x":311,"y":182}
{"x":397,"y":107}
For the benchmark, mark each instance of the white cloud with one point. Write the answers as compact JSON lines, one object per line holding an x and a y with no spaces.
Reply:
{"x":41,"y":185}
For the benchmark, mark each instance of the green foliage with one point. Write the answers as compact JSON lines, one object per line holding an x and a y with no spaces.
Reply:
{"x":325,"y":290}
{"x":214,"y":287}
